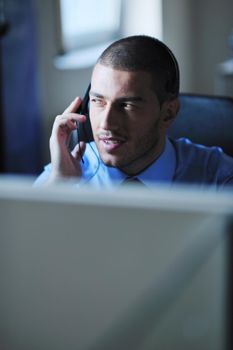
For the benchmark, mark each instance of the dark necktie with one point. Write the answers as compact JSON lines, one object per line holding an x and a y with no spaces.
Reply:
{"x":132,"y":181}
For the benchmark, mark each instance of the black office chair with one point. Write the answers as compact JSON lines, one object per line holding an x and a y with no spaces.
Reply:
{"x":204,"y":119}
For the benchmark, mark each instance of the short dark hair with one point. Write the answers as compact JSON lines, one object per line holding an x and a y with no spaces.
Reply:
{"x":145,"y":53}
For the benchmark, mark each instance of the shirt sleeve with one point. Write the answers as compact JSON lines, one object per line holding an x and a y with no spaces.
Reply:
{"x":43,"y":177}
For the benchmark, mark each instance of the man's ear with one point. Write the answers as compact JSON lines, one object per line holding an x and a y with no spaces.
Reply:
{"x":171,"y":108}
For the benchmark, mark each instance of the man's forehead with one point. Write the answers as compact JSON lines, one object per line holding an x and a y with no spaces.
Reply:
{"x":101,"y":68}
{"x":105,"y":77}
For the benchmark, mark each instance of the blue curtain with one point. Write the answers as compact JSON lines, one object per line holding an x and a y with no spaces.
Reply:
{"x":21,"y":117}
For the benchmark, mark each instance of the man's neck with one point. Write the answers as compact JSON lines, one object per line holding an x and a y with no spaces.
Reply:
{"x":142,"y":163}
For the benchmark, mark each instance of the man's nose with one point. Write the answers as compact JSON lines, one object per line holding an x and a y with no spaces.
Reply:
{"x":108,"y":118}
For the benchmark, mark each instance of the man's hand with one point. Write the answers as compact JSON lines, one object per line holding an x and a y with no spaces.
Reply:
{"x":65,"y":163}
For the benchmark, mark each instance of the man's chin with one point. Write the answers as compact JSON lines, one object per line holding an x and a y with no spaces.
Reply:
{"x":111,"y":161}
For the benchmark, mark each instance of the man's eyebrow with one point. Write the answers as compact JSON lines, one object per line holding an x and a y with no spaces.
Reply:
{"x":120,"y":99}
{"x":130,"y":99}
{"x":95,"y":94}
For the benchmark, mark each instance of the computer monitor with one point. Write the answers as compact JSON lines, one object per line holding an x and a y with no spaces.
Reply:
{"x":121,"y":269}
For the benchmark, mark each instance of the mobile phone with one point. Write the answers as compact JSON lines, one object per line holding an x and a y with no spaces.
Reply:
{"x":84,"y":131}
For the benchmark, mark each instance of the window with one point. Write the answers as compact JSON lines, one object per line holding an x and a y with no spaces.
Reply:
{"x":86,"y":23}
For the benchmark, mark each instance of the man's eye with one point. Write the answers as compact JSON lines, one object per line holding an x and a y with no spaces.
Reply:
{"x":97,"y":102}
{"x":128,"y":106}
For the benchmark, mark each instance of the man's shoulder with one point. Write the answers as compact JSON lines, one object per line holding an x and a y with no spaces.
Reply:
{"x":190,"y":151}
{"x":201,"y":163}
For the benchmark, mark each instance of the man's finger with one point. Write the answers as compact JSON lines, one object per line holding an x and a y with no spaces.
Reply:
{"x":70,"y":118}
{"x":79,"y":150}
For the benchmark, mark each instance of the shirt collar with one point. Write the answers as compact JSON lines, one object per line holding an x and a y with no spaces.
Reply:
{"x":163,"y":168}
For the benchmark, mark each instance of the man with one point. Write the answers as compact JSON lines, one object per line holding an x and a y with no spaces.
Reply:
{"x":133,"y":101}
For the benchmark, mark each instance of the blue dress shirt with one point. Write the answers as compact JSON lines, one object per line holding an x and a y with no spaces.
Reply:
{"x":181,"y":162}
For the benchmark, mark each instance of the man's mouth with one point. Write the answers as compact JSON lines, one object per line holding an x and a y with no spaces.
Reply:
{"x":111,"y":143}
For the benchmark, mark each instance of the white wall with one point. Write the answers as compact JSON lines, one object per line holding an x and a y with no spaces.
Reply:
{"x":143,"y":17}
{"x":214,"y":25}
{"x":197,"y":31}
{"x":177,"y":31}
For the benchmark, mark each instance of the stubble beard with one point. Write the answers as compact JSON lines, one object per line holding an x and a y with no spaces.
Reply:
{"x":148,"y":148}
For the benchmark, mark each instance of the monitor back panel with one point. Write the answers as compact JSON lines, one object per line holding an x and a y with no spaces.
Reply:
{"x":96,"y":275}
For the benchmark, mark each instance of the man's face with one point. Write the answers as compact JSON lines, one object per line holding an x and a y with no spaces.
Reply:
{"x":126,"y":118}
